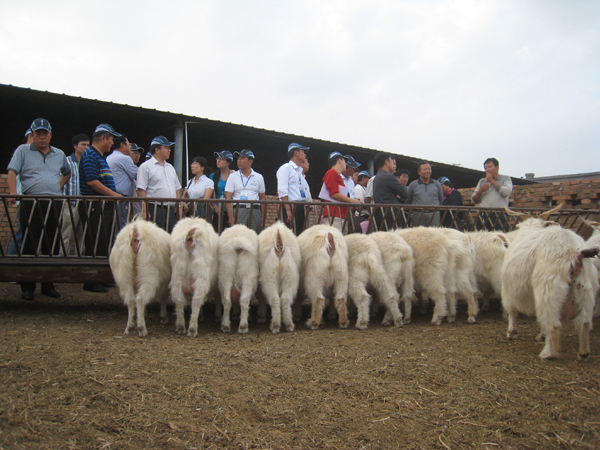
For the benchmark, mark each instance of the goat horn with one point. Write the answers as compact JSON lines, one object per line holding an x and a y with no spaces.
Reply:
{"x":591,"y":223}
{"x":517,"y":214}
{"x":545,"y":215}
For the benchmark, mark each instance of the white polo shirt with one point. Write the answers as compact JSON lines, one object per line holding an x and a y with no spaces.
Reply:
{"x":349,"y":182}
{"x":291,"y":183}
{"x":245,"y":188}
{"x":158,"y":180}
{"x":196,"y":189}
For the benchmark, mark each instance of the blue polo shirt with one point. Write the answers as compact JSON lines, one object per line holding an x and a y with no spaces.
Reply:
{"x":93,"y":166}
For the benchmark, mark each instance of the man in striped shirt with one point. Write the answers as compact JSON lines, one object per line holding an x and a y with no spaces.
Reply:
{"x":96,"y":178}
{"x":70,"y":215}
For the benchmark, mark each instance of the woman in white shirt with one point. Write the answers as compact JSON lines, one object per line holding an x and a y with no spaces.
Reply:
{"x":198,"y":187}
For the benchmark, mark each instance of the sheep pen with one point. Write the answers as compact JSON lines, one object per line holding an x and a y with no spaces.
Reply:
{"x":71,"y":379}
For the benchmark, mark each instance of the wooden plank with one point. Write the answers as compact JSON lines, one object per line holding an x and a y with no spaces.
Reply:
{"x":58,"y":271}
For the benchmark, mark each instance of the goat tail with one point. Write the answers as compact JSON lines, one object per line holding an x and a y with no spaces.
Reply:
{"x":279,"y":245}
{"x":585,"y":253}
{"x":330,"y":245}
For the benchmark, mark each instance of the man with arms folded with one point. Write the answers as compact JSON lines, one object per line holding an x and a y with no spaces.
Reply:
{"x":425,"y":191}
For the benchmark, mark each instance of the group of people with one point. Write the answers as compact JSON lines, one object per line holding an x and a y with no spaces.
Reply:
{"x":106,"y":165}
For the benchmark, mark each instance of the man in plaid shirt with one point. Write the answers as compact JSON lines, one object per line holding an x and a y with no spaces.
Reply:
{"x":70,"y":215}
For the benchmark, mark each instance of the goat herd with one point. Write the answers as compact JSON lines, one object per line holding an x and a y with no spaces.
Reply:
{"x":539,"y":269}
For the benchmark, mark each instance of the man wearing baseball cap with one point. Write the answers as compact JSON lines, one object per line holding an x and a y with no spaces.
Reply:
{"x":246,"y":184}
{"x":43,"y":171}
{"x":292,"y":186}
{"x":96,"y":178}
{"x":158,"y":179}
{"x":334,"y":190}
{"x":136,"y":152}
{"x":351,"y":166}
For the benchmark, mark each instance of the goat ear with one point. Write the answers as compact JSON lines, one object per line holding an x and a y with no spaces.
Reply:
{"x":545,"y":215}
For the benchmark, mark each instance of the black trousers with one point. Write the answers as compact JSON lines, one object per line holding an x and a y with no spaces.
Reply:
{"x":299,"y":217}
{"x":99,"y":225}
{"x":35,"y":217}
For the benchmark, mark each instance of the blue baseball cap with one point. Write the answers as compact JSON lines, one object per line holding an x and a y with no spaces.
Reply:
{"x":28,"y":132}
{"x":351,"y":162}
{"x":224,"y":154}
{"x":333,"y":157}
{"x":135,"y":147}
{"x":295,"y":146}
{"x":245,"y":154}
{"x":148,"y":155}
{"x":40,"y":124}
{"x":106,"y":128}
{"x":159,"y":141}
{"x":365,"y":173}
{"x":443,"y":180}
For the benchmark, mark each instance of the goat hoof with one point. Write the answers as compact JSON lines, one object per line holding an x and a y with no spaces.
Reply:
{"x":180,"y":329}
{"x":540,"y":337}
{"x":192,"y":332}
{"x":406,"y":320}
{"x":471,"y":320}
{"x":387,"y":322}
{"x":344,"y":324}
{"x":362,"y":325}
{"x":275,"y":328}
{"x":243,"y":329}
{"x":451,"y":319}
{"x":225,"y":328}
{"x":313,"y":325}
{"x":399,"y":322}
{"x":511,"y":335}
{"x":290,"y":326}
{"x":583,"y":357}
{"x":142,"y":332}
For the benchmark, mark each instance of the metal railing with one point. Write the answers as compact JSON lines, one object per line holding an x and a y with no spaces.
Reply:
{"x":68,"y":239}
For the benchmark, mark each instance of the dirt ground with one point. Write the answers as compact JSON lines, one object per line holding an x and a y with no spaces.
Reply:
{"x":71,"y":379}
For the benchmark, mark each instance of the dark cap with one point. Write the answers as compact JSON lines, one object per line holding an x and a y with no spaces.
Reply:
{"x":244,"y":154}
{"x":159,"y":141}
{"x":295,"y":146}
{"x":106,"y":128}
{"x":351,"y":162}
{"x":40,"y":124}
{"x":224,"y":154}
{"x":444,"y":180}
{"x":135,"y":147}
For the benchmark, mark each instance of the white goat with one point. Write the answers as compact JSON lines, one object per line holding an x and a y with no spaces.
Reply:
{"x":432,"y":266}
{"x":279,"y":261}
{"x":139,"y":261}
{"x":366,"y":268}
{"x":195,"y":263}
{"x":324,"y":271}
{"x":238,"y":272}
{"x":546,"y":273}
{"x":462,"y":279}
{"x":594,"y":241}
{"x":490,"y":248}
{"x":399,"y":265}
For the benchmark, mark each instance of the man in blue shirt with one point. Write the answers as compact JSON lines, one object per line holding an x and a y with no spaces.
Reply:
{"x":96,"y":178}
{"x":125,"y":175}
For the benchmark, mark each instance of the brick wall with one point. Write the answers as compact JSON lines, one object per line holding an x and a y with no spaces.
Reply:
{"x":581,"y":194}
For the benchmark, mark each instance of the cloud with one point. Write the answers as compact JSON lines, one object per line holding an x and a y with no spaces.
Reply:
{"x":454,"y":81}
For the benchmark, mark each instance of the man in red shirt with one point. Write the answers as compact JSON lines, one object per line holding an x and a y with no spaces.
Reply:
{"x":335,"y":190}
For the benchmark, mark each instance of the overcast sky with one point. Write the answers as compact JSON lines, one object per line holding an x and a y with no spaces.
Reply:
{"x":454,"y":81}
